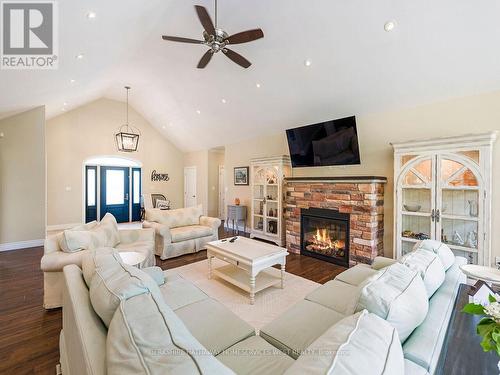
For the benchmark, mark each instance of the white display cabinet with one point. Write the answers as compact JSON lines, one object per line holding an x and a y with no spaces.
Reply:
{"x":443,"y":192}
{"x":267,"y":176}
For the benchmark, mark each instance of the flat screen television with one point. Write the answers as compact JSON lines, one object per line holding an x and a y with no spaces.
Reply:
{"x":328,"y":143}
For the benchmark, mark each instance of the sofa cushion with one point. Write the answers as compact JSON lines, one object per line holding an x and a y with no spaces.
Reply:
{"x":175,"y":218}
{"x":356,"y":275}
{"x":429,"y":267}
{"x":104,"y":234}
{"x":336,"y":295}
{"x":190,"y":232}
{"x":397,"y":295}
{"x":213,"y":325}
{"x":178,"y":292}
{"x":115,"y":281}
{"x":440,"y":249}
{"x":411,"y":368}
{"x":299,"y":326}
{"x":146,"y":337}
{"x":255,"y":355}
{"x":90,"y":260}
{"x":425,"y":343}
{"x":359,"y":344}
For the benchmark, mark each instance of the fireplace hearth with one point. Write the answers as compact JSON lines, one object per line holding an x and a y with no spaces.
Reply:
{"x":325,"y":235}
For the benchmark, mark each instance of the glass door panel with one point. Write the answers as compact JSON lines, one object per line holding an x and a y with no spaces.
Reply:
{"x":115,"y":192}
{"x":462,"y":203}
{"x":90,"y":194}
{"x":416,"y":227}
{"x":461,"y":233}
{"x":417,"y":200}
{"x":136,"y":194}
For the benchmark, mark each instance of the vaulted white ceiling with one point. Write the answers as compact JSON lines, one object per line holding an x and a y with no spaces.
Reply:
{"x":438,"y":50}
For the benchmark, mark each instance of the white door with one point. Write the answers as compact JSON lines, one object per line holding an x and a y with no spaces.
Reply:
{"x":190,"y":187}
{"x":222,"y":192}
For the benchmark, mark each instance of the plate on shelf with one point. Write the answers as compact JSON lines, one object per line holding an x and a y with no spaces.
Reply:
{"x":412,"y":207}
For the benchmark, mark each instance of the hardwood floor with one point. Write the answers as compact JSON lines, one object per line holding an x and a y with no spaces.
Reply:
{"x":29,"y":334}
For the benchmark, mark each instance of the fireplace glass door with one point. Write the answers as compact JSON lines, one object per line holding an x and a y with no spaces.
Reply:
{"x":326,"y":237}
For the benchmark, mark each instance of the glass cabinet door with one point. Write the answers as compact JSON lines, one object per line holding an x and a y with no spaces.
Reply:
{"x":417,"y":203}
{"x":271,"y":201}
{"x":460,"y":205}
{"x":258,"y":200}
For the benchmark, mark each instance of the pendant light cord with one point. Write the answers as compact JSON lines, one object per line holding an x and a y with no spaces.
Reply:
{"x":215,"y":13}
{"x":128,"y":88}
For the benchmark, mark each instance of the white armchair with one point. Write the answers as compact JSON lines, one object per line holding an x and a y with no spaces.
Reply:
{"x":181,"y":231}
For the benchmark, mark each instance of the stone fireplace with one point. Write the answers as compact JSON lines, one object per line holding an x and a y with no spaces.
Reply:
{"x":338,"y":219}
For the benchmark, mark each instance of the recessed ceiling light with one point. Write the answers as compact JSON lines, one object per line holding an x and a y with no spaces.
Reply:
{"x":224,"y":101}
{"x":308,"y":62}
{"x":258,"y":85}
{"x":164,"y":127}
{"x":91,"y":15}
{"x":65,"y":104}
{"x":80,"y":56}
{"x":72,"y":81}
{"x":198,"y":111}
{"x":389,"y":26}
{"x":63,"y":109}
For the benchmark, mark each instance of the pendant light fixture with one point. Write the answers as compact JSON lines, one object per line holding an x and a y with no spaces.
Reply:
{"x":127,"y":137}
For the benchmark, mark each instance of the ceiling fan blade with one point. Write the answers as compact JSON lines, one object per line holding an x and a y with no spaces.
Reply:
{"x":245,"y":36}
{"x":205,"y":19}
{"x":237,"y":58}
{"x":205,"y":59}
{"x":181,"y":40}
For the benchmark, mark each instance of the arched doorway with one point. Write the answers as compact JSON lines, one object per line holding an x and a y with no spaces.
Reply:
{"x":112,"y":184}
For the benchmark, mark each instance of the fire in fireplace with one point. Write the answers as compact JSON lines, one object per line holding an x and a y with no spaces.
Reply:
{"x":325,"y":235}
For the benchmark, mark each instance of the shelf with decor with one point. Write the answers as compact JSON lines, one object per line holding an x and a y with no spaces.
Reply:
{"x":267,"y":175}
{"x":443,"y":192}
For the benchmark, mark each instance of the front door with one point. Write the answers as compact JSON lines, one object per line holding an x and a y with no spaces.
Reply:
{"x":190,"y":187}
{"x":115,"y":192}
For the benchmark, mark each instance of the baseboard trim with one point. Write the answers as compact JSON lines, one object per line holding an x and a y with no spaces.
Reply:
{"x":61,"y":226}
{"x":20,"y":245}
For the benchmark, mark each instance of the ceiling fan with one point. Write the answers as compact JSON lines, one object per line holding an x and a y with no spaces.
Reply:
{"x":218,"y":40}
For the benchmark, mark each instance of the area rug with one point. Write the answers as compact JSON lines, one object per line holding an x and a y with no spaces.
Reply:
{"x":269,"y":304}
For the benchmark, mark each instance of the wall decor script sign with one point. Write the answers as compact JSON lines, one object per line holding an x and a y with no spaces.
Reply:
{"x":159,"y":176}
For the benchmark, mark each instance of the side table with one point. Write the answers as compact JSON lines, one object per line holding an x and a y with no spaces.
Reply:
{"x":237,"y":214}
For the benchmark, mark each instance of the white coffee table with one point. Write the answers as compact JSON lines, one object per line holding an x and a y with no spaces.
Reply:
{"x":132,"y":258}
{"x":250,"y":264}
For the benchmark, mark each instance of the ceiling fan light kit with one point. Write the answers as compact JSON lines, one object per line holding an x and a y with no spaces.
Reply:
{"x":217,"y":39}
{"x":127,"y":138}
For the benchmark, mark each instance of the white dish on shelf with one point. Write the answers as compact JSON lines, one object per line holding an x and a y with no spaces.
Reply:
{"x":412,"y":207}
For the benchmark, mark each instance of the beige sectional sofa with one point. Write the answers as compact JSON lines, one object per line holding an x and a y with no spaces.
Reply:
{"x":384,"y":319}
{"x":181,"y":231}
{"x":83,"y":238}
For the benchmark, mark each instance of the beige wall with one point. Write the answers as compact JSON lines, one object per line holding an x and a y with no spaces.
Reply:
{"x":199,"y":159}
{"x":88,"y":131}
{"x":454,"y":117}
{"x":22,"y":177}
{"x":215,"y":158}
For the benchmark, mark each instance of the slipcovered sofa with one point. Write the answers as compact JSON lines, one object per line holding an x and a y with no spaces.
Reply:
{"x":83,"y":238}
{"x":369,"y":320}
{"x":181,"y":231}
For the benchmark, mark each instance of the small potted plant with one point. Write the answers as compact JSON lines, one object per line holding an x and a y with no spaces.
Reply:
{"x":489,"y":326}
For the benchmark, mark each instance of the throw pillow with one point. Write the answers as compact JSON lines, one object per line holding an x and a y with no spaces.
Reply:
{"x":103,"y":234}
{"x":440,"y":249}
{"x":162,"y":204}
{"x":428,"y":266}
{"x":358,"y":344}
{"x":398,"y":295}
